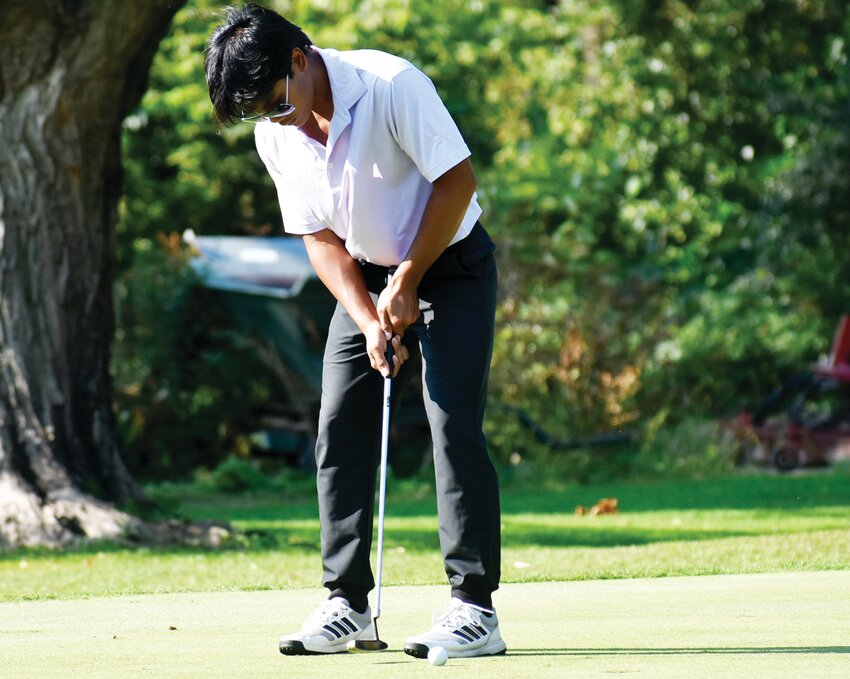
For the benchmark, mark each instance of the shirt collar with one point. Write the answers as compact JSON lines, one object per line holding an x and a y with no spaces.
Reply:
{"x":346,"y":87}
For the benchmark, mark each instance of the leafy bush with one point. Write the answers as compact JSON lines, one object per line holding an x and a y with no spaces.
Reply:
{"x":182,"y":398}
{"x":666,"y":182}
{"x":234,"y":475}
{"x":691,"y":448}
{"x":667,"y":204}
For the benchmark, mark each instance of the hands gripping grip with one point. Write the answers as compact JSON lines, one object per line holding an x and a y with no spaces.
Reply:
{"x":390,"y":352}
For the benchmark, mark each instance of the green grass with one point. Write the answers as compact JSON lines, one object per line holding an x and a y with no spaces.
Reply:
{"x":786,"y":625}
{"x":741,"y":524}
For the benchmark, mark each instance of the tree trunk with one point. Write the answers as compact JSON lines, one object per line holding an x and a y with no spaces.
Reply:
{"x":69,"y":73}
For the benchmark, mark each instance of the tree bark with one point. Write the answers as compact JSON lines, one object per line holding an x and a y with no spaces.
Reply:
{"x":69,"y":73}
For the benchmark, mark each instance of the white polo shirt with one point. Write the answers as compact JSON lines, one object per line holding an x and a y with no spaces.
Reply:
{"x":390,"y":138}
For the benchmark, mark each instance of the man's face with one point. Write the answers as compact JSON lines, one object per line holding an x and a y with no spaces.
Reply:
{"x":290,"y":101}
{"x":273,"y":108}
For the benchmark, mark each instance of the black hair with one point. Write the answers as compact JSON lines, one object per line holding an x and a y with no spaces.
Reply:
{"x":246,"y":55}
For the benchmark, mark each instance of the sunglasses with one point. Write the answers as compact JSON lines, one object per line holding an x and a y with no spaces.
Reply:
{"x":283,"y":109}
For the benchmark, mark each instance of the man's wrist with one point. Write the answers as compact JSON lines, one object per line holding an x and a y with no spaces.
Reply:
{"x":407,"y":276}
{"x":370,"y":326}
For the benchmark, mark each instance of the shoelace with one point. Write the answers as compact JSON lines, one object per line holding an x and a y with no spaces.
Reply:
{"x":327,"y":612}
{"x":457,"y":615}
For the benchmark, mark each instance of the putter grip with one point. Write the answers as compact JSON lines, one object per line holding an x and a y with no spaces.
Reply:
{"x":390,"y":352}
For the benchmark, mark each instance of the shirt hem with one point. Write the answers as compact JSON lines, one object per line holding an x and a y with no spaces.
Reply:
{"x":304,"y":230}
{"x":434,"y":173}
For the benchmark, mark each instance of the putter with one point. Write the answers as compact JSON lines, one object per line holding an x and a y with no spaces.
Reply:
{"x":360,"y":645}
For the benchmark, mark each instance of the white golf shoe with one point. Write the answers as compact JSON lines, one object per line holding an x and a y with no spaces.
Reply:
{"x":463,"y":630}
{"x":329,"y":629}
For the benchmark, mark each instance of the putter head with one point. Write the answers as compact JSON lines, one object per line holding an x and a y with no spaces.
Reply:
{"x":366,"y":645}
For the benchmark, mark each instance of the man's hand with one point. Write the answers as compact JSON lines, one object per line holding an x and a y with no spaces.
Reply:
{"x":398,"y":306}
{"x":342,"y":276}
{"x":376,"y":347}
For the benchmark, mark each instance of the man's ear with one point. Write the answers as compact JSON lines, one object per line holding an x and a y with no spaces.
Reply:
{"x":299,"y":60}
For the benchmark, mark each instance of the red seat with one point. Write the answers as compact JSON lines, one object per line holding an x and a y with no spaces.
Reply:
{"x":838,"y":363}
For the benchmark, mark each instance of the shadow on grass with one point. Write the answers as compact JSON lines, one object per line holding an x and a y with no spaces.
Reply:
{"x":766,"y":650}
{"x":411,"y":498}
{"x":273,"y":522}
{"x":307,"y":541}
{"x":427,"y":538}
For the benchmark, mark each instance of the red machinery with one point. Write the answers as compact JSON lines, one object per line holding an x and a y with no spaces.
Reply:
{"x":814,"y":428}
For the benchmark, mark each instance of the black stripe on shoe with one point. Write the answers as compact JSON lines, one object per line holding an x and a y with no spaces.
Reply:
{"x":342,"y":629}
{"x":463,"y":635}
{"x":349,"y":625}
{"x":333,"y":630}
{"x":475,"y":632}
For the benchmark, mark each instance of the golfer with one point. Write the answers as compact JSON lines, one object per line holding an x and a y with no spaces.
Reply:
{"x":374,"y":175}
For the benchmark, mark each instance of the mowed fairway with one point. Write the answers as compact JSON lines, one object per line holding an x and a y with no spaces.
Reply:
{"x":771,"y":625}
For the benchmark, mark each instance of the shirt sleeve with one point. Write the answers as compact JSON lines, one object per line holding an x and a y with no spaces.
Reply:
{"x":298,"y":218}
{"x":422,"y":125}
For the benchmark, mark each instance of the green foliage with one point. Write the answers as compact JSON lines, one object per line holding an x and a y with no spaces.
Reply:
{"x":241,"y":476}
{"x":648,"y":201}
{"x":666,"y":182}
{"x":688,"y":449}
{"x":234,"y":475}
{"x":181,"y":399}
{"x":182,"y":170}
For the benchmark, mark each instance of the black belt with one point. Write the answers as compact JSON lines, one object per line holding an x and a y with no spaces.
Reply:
{"x":475,"y":245}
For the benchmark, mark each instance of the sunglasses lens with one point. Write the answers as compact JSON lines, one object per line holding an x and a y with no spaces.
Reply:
{"x":279,"y":111}
{"x":282,"y":110}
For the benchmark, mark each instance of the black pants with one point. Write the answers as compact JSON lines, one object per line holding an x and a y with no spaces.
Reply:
{"x":454,"y":334}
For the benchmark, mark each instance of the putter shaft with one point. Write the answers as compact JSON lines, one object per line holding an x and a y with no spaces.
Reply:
{"x":376,"y":644}
{"x":382,"y":491}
